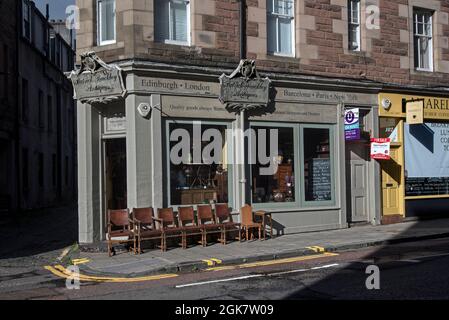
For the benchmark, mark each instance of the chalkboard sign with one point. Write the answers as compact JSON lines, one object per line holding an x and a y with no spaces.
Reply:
{"x":319,"y":180}
{"x":426,"y":186}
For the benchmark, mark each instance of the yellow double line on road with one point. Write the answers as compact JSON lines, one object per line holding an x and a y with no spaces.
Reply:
{"x":212,"y":261}
{"x":273,"y":262}
{"x":317,"y":249}
{"x":62,"y":272}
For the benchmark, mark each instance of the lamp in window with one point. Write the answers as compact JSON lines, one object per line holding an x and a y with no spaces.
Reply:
{"x":280,"y":157}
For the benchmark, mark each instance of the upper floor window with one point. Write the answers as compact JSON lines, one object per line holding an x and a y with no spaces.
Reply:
{"x":26,"y":20}
{"x":423,"y":33}
{"x":106,"y":21}
{"x":354,"y":25}
{"x":280,"y":20}
{"x":172,"y":23}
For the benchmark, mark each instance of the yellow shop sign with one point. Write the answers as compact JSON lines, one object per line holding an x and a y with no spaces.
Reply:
{"x":391,"y":105}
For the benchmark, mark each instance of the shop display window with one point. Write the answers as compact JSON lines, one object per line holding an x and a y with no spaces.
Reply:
{"x":202,"y":175}
{"x":280,"y":186}
{"x":317,"y":165}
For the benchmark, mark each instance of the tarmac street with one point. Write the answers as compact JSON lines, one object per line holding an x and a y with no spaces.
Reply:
{"x":407,"y":271}
{"x":412,"y":258}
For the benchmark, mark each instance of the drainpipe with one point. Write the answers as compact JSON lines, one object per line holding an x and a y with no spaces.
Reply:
{"x":242,"y":23}
{"x":18,"y":31}
{"x":243,"y":116}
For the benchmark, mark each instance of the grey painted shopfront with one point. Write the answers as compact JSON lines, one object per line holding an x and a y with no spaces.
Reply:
{"x":322,"y":182}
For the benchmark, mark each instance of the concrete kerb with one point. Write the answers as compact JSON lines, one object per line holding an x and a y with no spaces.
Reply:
{"x":194,"y":266}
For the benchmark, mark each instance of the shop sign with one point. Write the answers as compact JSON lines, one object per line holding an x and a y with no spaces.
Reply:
{"x":380,"y":148}
{"x":433,"y":108}
{"x":352,"y":124}
{"x":244,"y":88}
{"x":415,"y":112}
{"x":115,"y":124}
{"x":96,"y":81}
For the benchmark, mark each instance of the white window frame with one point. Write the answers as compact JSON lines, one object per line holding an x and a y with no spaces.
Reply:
{"x":100,"y":41}
{"x":170,"y":25}
{"x":352,"y":23}
{"x":416,"y":35}
{"x":292,"y":24}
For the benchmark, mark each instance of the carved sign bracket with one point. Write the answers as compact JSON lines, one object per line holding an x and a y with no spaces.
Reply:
{"x":244,"y":89}
{"x":96,"y":81}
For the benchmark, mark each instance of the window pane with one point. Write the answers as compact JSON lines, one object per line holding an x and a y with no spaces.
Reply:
{"x":317,"y":165}
{"x":285,"y":35}
{"x":424,"y":52}
{"x":107,"y":18}
{"x":283,"y":7}
{"x":200,"y":177}
{"x":271,"y":37}
{"x":277,"y":187}
{"x":179,"y":20}
{"x":161,"y":17}
{"x":353,"y":37}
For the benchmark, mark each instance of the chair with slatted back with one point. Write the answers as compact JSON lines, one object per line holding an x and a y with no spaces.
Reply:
{"x":207,"y":222}
{"x":190,"y":228}
{"x":224,"y":219}
{"x":170,"y":228}
{"x":146,"y":227}
{"x":120,"y":229}
{"x":248,"y":223}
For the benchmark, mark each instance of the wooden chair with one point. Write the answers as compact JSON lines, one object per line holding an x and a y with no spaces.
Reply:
{"x":190,"y":228}
{"x":146,"y":228}
{"x":120,"y":226}
{"x":169,"y":227}
{"x":224,"y":219}
{"x":246,"y":215}
{"x":207,"y":222}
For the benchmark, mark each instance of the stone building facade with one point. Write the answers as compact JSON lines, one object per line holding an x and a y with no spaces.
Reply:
{"x":46,"y":113}
{"x":324,"y":59}
{"x":8,"y":103}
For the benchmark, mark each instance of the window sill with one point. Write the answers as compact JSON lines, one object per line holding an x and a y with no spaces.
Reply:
{"x":282,"y":55}
{"x":175,"y":43}
{"x":424,"y":70}
{"x":277,"y":210}
{"x":106,"y":43}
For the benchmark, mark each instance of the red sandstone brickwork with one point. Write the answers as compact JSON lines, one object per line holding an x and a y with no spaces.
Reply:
{"x":381,"y":61}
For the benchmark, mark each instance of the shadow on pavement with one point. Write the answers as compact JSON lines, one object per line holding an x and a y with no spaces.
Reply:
{"x":39,"y":232}
{"x":423,"y":280}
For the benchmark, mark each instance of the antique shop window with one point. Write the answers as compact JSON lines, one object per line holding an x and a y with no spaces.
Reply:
{"x":280,"y":29}
{"x":106,"y":22}
{"x":423,"y":47}
{"x":317,"y":164}
{"x":198,"y":166}
{"x":278,"y":186}
{"x":354,"y":25}
{"x":172,"y":21}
